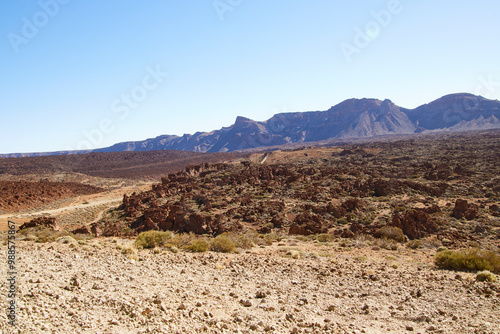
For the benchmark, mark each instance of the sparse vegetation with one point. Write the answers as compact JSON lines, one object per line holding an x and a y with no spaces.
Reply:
{"x":485,"y":276}
{"x":392,"y":233}
{"x":222,"y":244}
{"x":471,"y":259}
{"x":152,"y":239}
{"x":324,"y":237}
{"x":414,"y":244}
{"x":199,"y":245}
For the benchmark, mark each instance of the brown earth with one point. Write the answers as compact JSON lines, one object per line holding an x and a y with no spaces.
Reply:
{"x":133,"y":165}
{"x":21,"y":195}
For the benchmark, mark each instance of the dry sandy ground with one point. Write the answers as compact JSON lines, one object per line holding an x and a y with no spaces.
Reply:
{"x":322,"y":288}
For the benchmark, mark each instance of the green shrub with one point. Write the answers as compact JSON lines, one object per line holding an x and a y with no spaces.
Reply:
{"x":471,"y":259}
{"x":392,"y":233}
{"x":199,"y":246}
{"x":222,"y":244}
{"x":152,"y":239}
{"x":484,"y":276}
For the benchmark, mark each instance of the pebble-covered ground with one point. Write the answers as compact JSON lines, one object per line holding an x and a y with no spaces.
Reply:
{"x":290,"y":287}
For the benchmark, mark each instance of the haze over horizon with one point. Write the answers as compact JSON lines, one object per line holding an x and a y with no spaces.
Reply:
{"x":133,"y":71}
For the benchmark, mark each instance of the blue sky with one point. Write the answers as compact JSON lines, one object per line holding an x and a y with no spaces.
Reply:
{"x":85,"y":74}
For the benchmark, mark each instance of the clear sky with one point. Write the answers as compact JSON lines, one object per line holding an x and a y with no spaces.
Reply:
{"x":87,"y":74}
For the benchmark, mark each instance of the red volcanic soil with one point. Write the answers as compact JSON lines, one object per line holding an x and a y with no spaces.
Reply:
{"x":20,"y":195}
{"x":133,"y":165}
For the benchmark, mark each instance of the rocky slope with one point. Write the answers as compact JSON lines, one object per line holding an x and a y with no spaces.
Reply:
{"x":424,"y":187}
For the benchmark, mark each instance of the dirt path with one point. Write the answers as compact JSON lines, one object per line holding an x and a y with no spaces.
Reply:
{"x":80,"y":202}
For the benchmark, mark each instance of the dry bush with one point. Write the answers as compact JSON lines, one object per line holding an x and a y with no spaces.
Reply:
{"x":272,"y":237}
{"x":388,"y":244}
{"x":130,"y":251}
{"x":181,"y":240}
{"x":152,"y":239}
{"x":391,"y":232}
{"x":243,"y":240}
{"x":431,"y":242}
{"x":470,"y":259}
{"x":199,"y":245}
{"x":222,"y":244}
{"x":325,"y":237}
{"x":43,"y":234}
{"x":67,"y":240}
{"x":414,"y":244}
{"x":361,"y":240}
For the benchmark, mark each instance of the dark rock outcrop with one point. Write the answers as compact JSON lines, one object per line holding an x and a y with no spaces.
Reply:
{"x":48,"y":222}
{"x":464,"y":209}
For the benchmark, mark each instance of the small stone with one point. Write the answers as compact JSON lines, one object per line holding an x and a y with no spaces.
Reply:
{"x":246,"y":303}
{"x":74,"y":282}
{"x":260,"y":294}
{"x":182,"y":307}
{"x":410,"y":328}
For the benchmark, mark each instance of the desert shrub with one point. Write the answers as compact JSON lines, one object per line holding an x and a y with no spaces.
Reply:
{"x":130,"y":251}
{"x":325,"y":237}
{"x":471,"y":259}
{"x":485,"y":276}
{"x":222,"y":244}
{"x":199,"y":245}
{"x":43,"y":234}
{"x":152,"y":239}
{"x":272,"y":237}
{"x":301,"y":238}
{"x":414,"y":244}
{"x":432,"y":242}
{"x":388,"y":244}
{"x":181,"y":240}
{"x":361,"y":240}
{"x":242,"y":240}
{"x":67,"y":240}
{"x":392,"y":233}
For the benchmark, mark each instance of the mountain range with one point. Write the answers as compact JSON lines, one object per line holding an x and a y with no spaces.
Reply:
{"x":350,"y":119}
